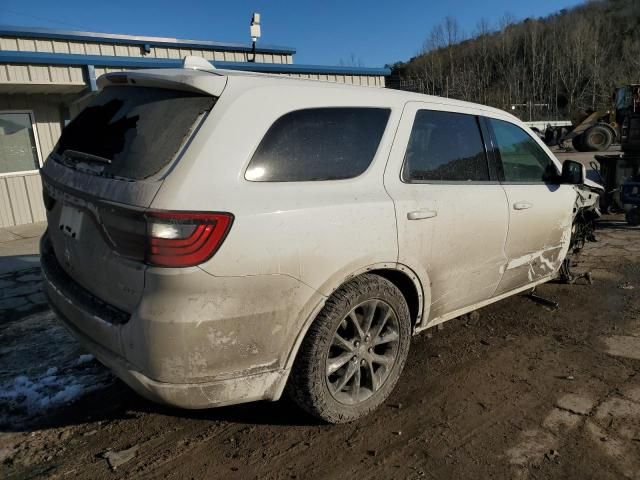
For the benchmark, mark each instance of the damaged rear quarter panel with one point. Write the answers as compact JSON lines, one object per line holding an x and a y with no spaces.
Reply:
{"x":195,"y":327}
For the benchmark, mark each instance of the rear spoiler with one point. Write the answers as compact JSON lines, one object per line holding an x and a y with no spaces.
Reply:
{"x":190,"y":78}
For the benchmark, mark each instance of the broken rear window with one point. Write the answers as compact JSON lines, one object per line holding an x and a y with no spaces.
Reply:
{"x":132,"y":132}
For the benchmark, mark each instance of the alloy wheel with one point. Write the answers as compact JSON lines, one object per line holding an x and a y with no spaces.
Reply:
{"x":363,"y":352}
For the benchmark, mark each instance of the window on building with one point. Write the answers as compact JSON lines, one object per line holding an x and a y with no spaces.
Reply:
{"x":18,"y":150}
{"x":318,"y":144}
{"x":445,"y":146}
{"x":523,"y":160}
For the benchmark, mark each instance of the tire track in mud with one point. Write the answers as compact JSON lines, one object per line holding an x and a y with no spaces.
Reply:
{"x":162,"y":450}
{"x":580,"y":417}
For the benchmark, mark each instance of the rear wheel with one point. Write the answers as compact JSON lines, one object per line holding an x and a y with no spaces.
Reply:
{"x":597,"y":138}
{"x":354,"y":352}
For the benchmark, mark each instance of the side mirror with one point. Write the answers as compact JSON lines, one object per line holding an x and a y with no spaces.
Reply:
{"x":573,"y":173}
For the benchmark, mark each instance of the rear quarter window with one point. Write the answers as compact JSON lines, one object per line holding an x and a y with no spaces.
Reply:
{"x":318,"y":144}
{"x":132,"y":132}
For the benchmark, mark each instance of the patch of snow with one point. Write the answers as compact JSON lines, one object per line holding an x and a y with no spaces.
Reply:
{"x":87,"y":357}
{"x":42,"y":367}
{"x":27,"y":396}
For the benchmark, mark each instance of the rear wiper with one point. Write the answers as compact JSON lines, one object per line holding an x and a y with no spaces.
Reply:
{"x":76,"y":155}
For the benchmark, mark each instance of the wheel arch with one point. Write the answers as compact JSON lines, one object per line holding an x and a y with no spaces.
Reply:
{"x":403,"y":277}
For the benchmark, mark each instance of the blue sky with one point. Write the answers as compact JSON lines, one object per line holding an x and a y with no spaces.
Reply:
{"x":323,"y":31}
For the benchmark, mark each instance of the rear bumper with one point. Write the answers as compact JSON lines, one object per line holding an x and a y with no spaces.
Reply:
{"x":260,"y":386}
{"x":195,"y":340}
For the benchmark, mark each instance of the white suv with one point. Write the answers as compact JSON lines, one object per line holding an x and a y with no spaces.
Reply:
{"x":218,"y":237}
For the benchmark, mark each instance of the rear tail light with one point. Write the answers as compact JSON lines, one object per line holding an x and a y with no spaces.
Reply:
{"x":166,"y":239}
{"x":185,"y":239}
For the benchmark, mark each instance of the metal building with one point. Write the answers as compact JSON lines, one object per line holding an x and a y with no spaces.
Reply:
{"x":47,"y":75}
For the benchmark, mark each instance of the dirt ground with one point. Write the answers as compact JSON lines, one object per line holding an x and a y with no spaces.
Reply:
{"x":521,"y":392}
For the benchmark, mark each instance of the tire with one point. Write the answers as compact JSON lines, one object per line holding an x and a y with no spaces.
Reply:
{"x":597,"y":139}
{"x":577,"y":144}
{"x":633,"y":216}
{"x":317,"y":391}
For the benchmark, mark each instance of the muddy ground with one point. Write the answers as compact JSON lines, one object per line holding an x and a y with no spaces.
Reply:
{"x":521,"y":392}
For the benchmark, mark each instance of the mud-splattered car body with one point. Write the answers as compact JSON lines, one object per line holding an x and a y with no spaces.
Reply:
{"x":226,"y":327}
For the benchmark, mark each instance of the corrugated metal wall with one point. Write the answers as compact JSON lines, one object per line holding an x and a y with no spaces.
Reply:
{"x":21,"y":193}
{"x":124,"y":50}
{"x":365,"y":80}
{"x":21,"y":199}
{"x":42,"y":74}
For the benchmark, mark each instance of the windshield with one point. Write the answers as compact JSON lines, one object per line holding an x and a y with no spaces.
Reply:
{"x":623,"y":98}
{"x":132,"y":132}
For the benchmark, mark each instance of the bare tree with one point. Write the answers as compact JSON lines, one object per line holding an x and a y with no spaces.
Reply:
{"x":555,"y":66}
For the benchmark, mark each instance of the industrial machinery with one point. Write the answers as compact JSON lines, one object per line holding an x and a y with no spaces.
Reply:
{"x":627,"y":107}
{"x":620,"y":177}
{"x":590,"y":132}
{"x":595,"y":131}
{"x":620,"y":173}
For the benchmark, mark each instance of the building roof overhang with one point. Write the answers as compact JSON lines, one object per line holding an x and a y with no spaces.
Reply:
{"x":47,"y":58}
{"x":113,"y":38}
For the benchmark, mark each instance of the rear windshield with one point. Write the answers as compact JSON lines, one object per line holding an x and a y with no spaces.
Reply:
{"x":132,"y":132}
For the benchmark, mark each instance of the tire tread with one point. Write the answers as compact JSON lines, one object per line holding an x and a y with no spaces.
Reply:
{"x":304,"y":386}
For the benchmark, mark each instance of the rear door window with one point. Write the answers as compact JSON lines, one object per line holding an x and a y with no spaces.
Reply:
{"x":523,"y":160}
{"x":445,"y":147}
{"x":318,"y":144}
{"x":132,"y":132}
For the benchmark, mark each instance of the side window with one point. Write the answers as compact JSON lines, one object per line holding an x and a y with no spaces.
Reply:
{"x":522,"y":158}
{"x":445,"y":146}
{"x":318,"y":144}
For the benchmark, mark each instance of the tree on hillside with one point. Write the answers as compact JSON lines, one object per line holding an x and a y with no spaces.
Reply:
{"x":550,"y":67}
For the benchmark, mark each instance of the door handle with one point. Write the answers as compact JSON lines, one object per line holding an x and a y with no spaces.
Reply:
{"x":522,"y":205}
{"x":421,"y":214}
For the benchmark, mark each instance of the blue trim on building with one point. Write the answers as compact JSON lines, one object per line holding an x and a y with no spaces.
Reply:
{"x":56,"y":34}
{"x":46,"y":58}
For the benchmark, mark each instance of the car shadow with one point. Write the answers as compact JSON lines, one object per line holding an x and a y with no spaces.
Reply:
{"x":20,"y":288}
{"x":11,"y":264}
{"x":615,"y":225}
{"x":118,"y":402}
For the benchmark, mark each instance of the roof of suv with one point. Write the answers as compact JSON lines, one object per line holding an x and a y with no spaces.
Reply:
{"x":213,"y":81}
